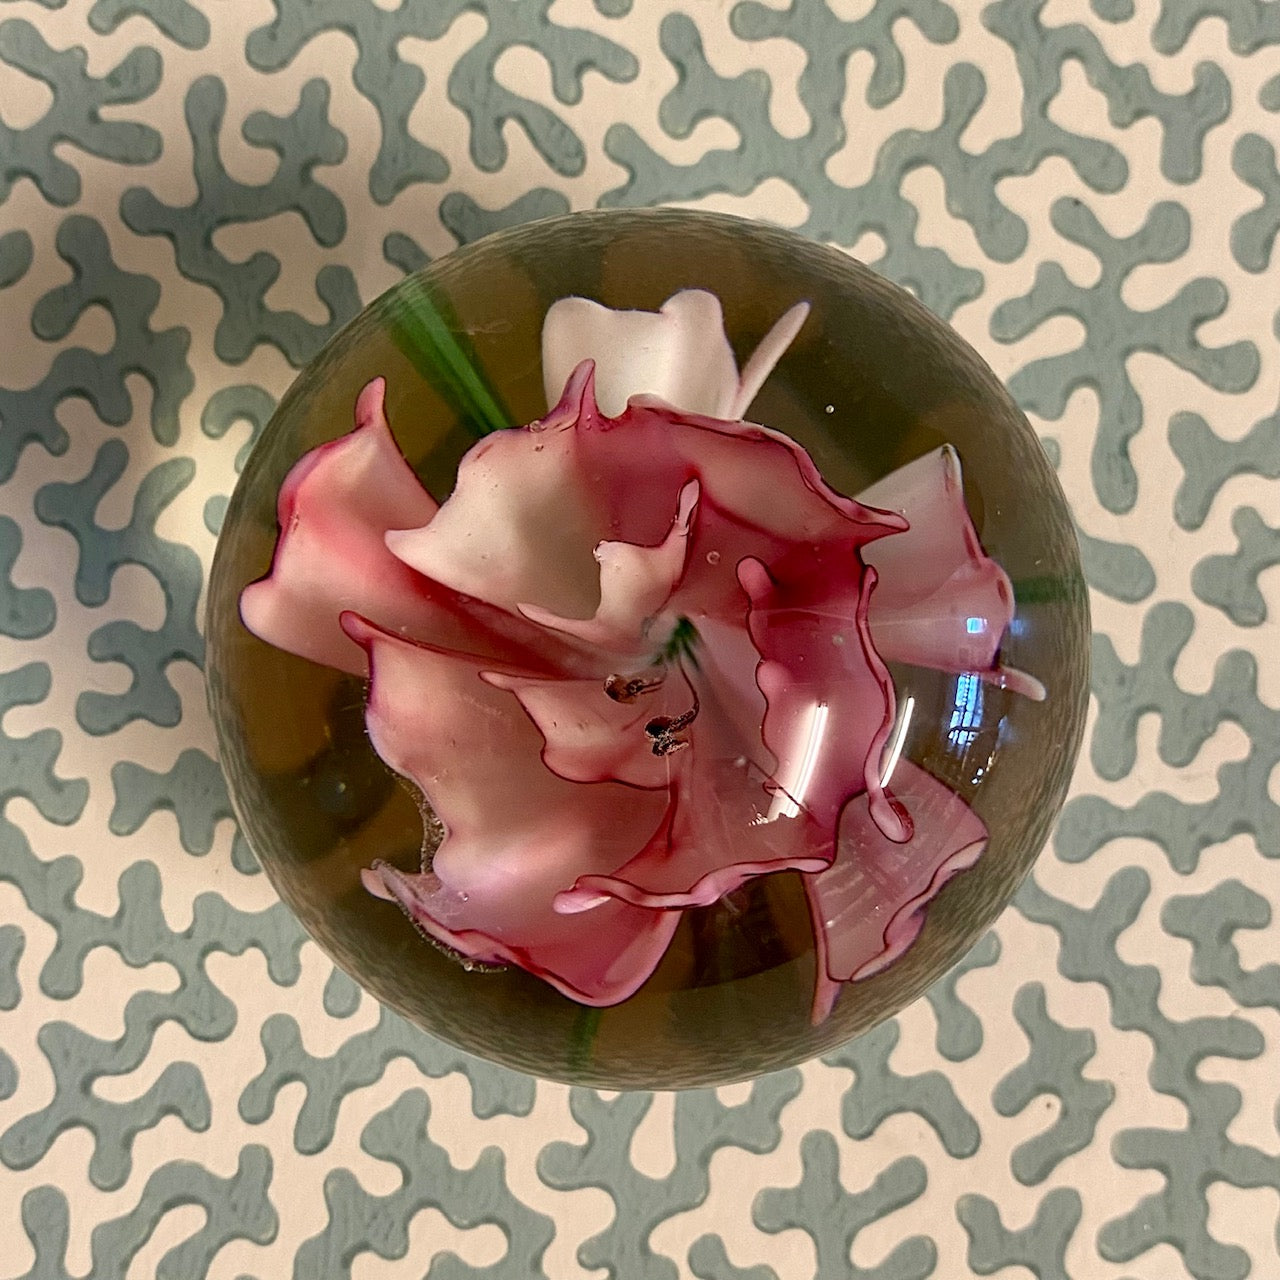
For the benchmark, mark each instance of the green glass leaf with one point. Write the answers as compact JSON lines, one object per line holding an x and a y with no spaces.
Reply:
{"x":424,"y":327}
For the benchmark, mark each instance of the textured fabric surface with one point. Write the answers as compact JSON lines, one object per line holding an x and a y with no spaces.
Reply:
{"x":194,"y":196}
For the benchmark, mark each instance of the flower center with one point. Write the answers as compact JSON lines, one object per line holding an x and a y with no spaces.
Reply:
{"x":681,"y":644}
{"x":664,"y":732}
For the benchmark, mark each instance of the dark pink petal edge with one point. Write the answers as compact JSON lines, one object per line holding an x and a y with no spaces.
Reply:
{"x":889,"y":816}
{"x":590,"y":891}
{"x":876,"y":523}
{"x":901,"y":931}
{"x":867,"y":882}
{"x":478,"y":946}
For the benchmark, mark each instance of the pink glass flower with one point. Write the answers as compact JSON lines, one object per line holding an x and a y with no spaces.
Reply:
{"x":638,"y":657}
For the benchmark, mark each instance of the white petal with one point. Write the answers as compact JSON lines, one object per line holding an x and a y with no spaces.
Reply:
{"x":766,"y":356}
{"x":679,"y":353}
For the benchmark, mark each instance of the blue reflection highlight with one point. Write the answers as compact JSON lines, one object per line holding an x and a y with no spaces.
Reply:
{"x":966,"y":711}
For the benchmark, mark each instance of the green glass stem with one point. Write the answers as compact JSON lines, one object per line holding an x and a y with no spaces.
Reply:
{"x":586,"y":1026}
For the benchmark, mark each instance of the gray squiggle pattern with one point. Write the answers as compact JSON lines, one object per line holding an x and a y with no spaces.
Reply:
{"x":194,"y":197}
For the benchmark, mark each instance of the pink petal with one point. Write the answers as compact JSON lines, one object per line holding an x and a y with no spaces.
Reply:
{"x":868,"y":907}
{"x":531,"y":505}
{"x":587,"y":736}
{"x":334,"y":509}
{"x":755,"y":477}
{"x":929,"y":492}
{"x":515,"y":832}
{"x":523,"y":520}
{"x":704,"y":851}
{"x":600,"y":959}
{"x":1018,"y":681}
{"x":830,"y":701}
{"x":942,"y":601}
{"x":718,"y":831}
{"x":721,"y":828}
{"x":635,"y":583}
{"x":759,"y":494}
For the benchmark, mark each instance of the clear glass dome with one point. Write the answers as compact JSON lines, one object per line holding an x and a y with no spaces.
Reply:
{"x":872,"y":382}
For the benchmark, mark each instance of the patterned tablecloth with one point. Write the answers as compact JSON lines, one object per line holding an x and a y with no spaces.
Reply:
{"x":193,"y":197}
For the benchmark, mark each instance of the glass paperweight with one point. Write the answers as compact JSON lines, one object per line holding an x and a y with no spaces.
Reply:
{"x":647,"y":648}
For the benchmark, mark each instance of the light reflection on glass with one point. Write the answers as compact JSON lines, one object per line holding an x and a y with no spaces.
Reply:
{"x":966,"y":711}
{"x":787,"y":802}
{"x":893,"y":748}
